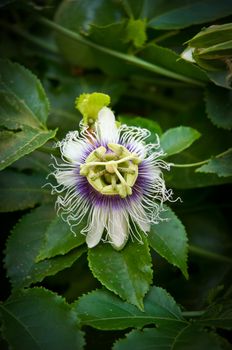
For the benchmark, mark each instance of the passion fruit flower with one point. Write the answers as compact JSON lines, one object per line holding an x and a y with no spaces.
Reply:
{"x":111,"y":176}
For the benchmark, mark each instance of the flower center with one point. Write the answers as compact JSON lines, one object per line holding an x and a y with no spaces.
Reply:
{"x":111,"y":172}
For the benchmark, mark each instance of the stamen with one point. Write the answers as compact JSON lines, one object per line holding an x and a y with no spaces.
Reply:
{"x":106,"y":176}
{"x":113,"y":182}
{"x":126,"y":187}
{"x":132,"y":157}
{"x":126,"y":170}
{"x":100,"y":152}
{"x":94,"y":176}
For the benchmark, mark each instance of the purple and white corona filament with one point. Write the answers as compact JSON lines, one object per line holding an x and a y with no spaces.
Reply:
{"x":112,"y":177}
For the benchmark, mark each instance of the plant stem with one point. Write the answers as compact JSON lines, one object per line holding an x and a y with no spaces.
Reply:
{"x":193,"y":313}
{"x":123,"y":56}
{"x":201,"y":162}
{"x":35,"y":40}
{"x":224,"y":153}
{"x":189,"y":165}
{"x":209,"y":255}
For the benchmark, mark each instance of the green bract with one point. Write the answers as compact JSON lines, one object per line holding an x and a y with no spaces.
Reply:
{"x":90,"y":104}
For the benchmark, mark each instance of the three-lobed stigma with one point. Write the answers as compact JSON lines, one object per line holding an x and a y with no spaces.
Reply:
{"x":113,"y":171}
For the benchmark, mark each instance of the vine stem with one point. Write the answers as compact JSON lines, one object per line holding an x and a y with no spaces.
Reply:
{"x":123,"y":56}
{"x":189,"y":165}
{"x":210,"y":255}
{"x":34,"y":39}
{"x":193,"y":313}
{"x":201,"y":162}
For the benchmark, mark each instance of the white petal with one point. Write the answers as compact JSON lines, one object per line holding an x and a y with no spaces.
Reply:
{"x":66,"y":177}
{"x":96,"y":228}
{"x":139,"y":215}
{"x":118,"y":228}
{"x":73,"y":150}
{"x":106,"y":127}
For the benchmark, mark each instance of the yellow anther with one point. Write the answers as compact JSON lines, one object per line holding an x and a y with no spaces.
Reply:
{"x":115,"y":173}
{"x":94,"y":176}
{"x":100,"y":152}
{"x":126,"y":170}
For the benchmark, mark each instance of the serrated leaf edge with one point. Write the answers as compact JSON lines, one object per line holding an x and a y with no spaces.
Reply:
{"x":207,"y":111}
{"x":139,"y":305}
{"x":166,"y":293}
{"x":184,"y":271}
{"x":59,"y":300}
{"x":38,"y":83}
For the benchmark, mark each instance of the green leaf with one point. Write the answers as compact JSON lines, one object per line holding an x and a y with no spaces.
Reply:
{"x":218,"y":315}
{"x":85,"y":13}
{"x":180,"y":14}
{"x":39,"y":319}
{"x":212,"y":49}
{"x":152,"y":57}
{"x":186,"y":337}
{"x":36,"y":161}
{"x":212,"y":35}
{"x":127,"y":272}
{"x":103,"y":310}
{"x":209,"y":144}
{"x":23,"y":113}
{"x":219,"y":106}
{"x":25,"y":89}
{"x":159,"y":60}
{"x":177,"y":139}
{"x":168,"y":238}
{"x":187,"y":178}
{"x":215,"y":58}
{"x":15,"y":144}
{"x":79,"y":17}
{"x":20,"y":191}
{"x":23,"y":247}
{"x":210,"y":64}
{"x":222,"y":166}
{"x":101,"y":40}
{"x":116,"y":38}
{"x":59,"y":239}
{"x":170,"y":61}
{"x":220,"y":78}
{"x":219,"y":51}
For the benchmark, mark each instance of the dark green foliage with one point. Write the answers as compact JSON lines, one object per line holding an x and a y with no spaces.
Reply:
{"x":173,"y":291}
{"x":41,"y":320}
{"x":128,"y":273}
{"x":109,"y":312}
